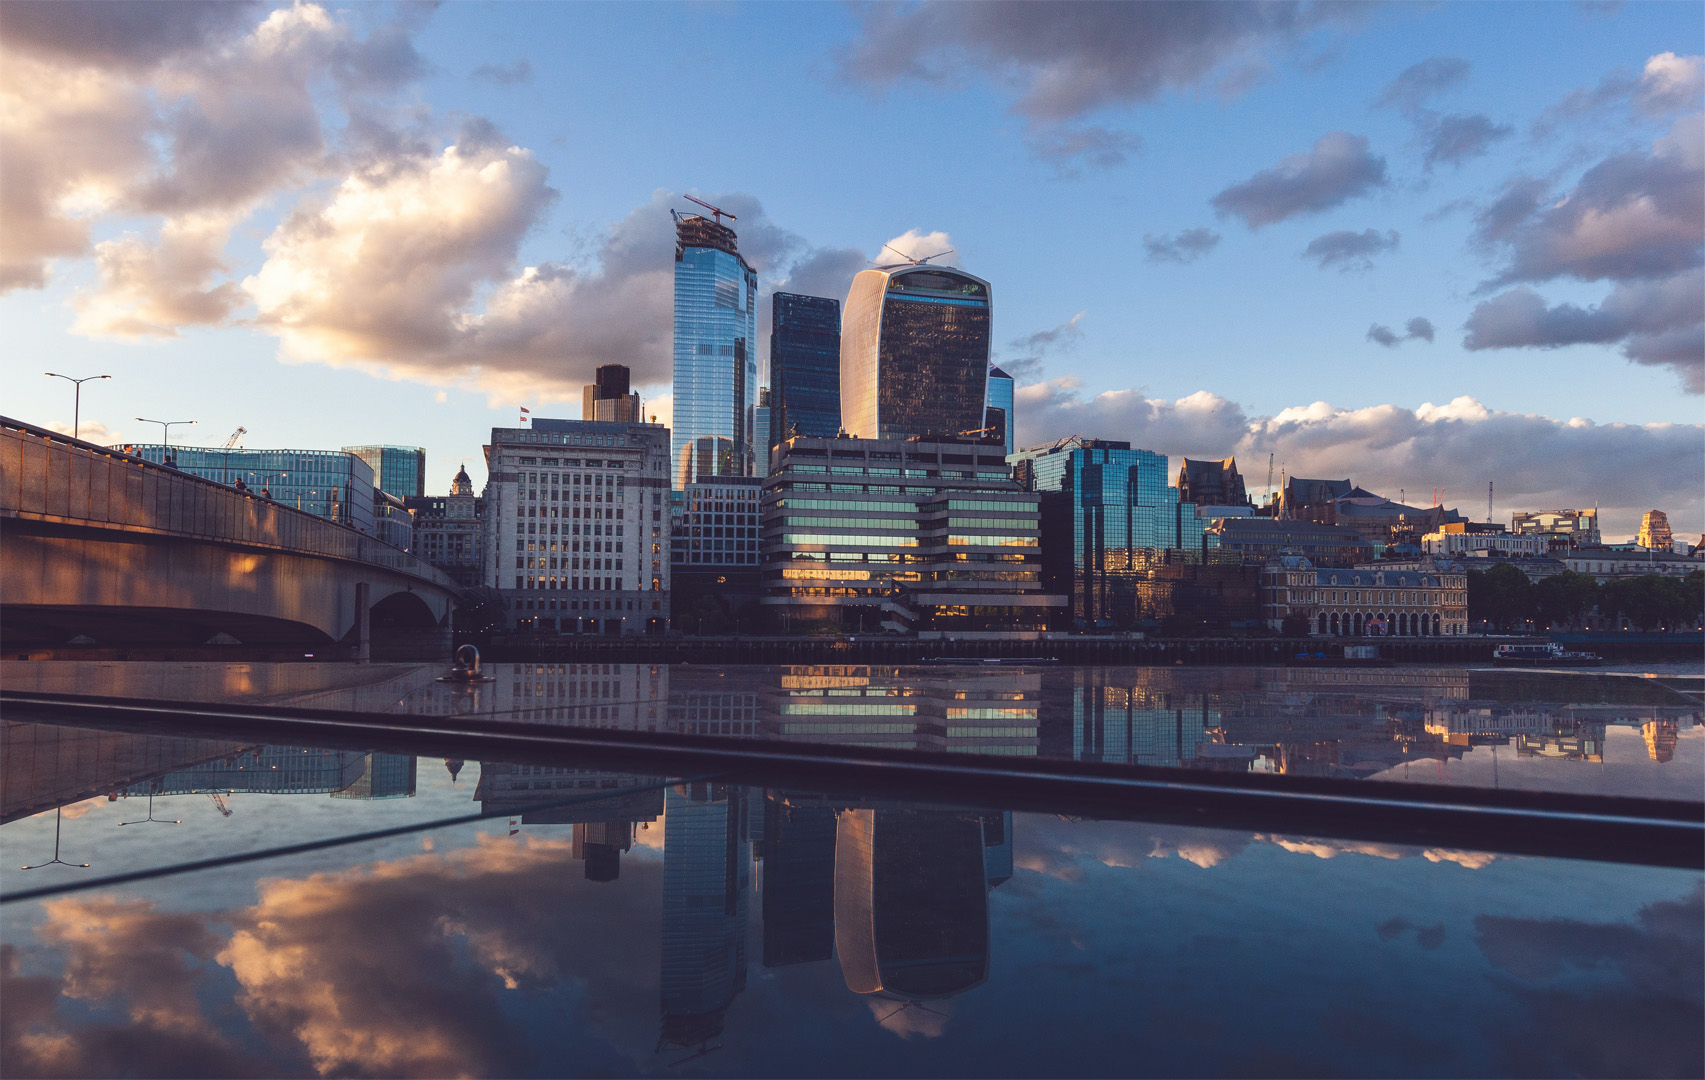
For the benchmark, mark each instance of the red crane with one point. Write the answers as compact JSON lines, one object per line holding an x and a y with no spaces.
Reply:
{"x":716,"y":210}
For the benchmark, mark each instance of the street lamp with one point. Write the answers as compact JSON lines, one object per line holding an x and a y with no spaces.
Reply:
{"x":165,"y":430}
{"x":77,"y":398}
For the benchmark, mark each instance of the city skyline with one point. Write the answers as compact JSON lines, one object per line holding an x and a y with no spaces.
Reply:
{"x":1278,"y":230}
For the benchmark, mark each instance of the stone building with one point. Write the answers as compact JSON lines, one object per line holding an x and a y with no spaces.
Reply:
{"x":1654,"y":532}
{"x":1429,"y":601}
{"x":1211,"y":483}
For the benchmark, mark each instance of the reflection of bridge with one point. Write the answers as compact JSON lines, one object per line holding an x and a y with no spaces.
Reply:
{"x":106,"y":545}
{"x":43,"y":766}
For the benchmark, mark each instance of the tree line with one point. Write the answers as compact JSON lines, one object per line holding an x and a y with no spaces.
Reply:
{"x":1504,"y":597}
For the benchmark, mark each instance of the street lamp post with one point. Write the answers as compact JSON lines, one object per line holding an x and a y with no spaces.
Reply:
{"x":165,"y":430}
{"x":76,"y":399}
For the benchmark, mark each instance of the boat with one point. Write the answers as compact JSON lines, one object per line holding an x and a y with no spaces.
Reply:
{"x":1550,"y":654}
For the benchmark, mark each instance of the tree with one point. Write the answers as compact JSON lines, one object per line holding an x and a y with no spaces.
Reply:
{"x":1500,"y":596}
{"x":1562,"y":598}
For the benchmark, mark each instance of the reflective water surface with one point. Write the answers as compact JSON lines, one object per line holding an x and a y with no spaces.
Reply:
{"x":610,"y":922}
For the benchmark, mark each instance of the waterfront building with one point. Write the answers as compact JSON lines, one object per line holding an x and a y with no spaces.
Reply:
{"x":1606,"y":564}
{"x":805,"y":367}
{"x":1655,"y":533}
{"x":715,"y":357}
{"x":1211,"y":483}
{"x":397,"y":470}
{"x":914,"y":353}
{"x":1259,"y":539}
{"x":449,"y":530}
{"x":333,"y":484}
{"x":1428,"y":601}
{"x":706,"y":880}
{"x":998,"y":414}
{"x":714,"y":554}
{"x":1181,"y":590}
{"x":905,"y":535}
{"x":1459,"y":542}
{"x":1579,"y":527}
{"x":577,"y":530}
{"x":1105,"y":509}
{"x":608,"y":397}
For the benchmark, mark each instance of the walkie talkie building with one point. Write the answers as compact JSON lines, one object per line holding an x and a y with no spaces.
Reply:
{"x":914,"y":352}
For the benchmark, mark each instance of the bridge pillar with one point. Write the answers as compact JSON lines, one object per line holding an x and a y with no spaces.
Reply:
{"x":363,"y":622}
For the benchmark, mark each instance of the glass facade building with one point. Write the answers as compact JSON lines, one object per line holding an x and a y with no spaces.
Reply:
{"x":999,"y":415}
{"x":805,"y":366}
{"x":914,"y":353}
{"x":333,"y":484}
{"x":715,"y":362}
{"x":1107,"y":509}
{"x":399,"y":470}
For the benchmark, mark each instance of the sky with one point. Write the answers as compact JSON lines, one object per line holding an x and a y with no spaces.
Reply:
{"x":1424,"y":247}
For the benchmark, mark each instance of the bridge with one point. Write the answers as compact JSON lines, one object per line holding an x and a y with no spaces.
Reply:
{"x":101,"y":546}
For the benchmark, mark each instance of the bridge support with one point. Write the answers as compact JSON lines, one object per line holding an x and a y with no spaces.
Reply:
{"x":363,"y":622}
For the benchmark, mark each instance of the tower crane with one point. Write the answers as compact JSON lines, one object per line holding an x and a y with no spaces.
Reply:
{"x":219,"y":801}
{"x":716,"y":210}
{"x":235,"y":435}
{"x":909,"y":260}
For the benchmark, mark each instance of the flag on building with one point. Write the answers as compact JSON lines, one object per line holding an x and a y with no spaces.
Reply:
{"x":524,"y":414}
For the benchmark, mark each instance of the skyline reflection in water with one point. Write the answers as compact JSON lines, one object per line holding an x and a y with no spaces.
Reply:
{"x":741,"y":931}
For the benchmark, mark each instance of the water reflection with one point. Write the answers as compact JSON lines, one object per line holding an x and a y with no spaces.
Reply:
{"x":612,"y":936}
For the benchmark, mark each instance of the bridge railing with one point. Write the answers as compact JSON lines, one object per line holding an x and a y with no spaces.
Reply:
{"x":52,"y":477}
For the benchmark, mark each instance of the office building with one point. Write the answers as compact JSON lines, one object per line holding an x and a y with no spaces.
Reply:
{"x":449,"y":531}
{"x":1260,"y":539}
{"x":393,"y":524}
{"x":1655,"y":533}
{"x":577,"y":526}
{"x":906,"y":535}
{"x":1455,"y":541}
{"x":1105,"y":508}
{"x":1606,"y":564}
{"x":1211,"y":483}
{"x":333,"y":484}
{"x":1579,"y":527}
{"x":397,"y":470}
{"x":608,"y":397}
{"x":705,"y":458}
{"x":805,"y":367}
{"x":1430,"y":600}
{"x":998,"y":414}
{"x":914,"y":353}
{"x":706,"y":880}
{"x":714,"y":555}
{"x":716,"y":363}
{"x":760,"y":432}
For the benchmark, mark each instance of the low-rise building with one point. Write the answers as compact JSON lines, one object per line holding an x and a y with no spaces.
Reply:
{"x":449,"y":531}
{"x":714,"y":553}
{"x":1428,"y":601}
{"x":1459,"y":543}
{"x":1260,"y":539}
{"x":1579,"y":527}
{"x":909,"y":535}
{"x":577,"y":526}
{"x":1607,"y":563}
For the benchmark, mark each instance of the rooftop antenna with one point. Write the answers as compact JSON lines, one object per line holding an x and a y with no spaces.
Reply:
{"x":716,"y":210}
{"x":909,"y":260}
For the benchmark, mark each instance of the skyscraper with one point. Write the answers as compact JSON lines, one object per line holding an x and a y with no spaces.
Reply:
{"x":607,"y":397}
{"x":805,"y":366}
{"x":914,"y":352}
{"x":716,"y":368}
{"x":999,"y":414}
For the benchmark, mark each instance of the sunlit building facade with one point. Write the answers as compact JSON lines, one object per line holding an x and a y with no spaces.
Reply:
{"x":716,"y":363}
{"x":398,"y":470}
{"x":915,"y":353}
{"x":805,"y":367}
{"x":334,"y":484}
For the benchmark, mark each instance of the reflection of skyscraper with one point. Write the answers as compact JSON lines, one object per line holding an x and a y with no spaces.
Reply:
{"x":914,"y":353}
{"x":599,"y":844}
{"x":1660,"y":739}
{"x":716,"y":367}
{"x":383,"y":776}
{"x":799,"y":882}
{"x":911,"y":902}
{"x":997,"y":847}
{"x":706,"y":876}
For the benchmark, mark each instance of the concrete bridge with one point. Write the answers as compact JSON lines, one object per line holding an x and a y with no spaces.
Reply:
{"x":102,"y":545}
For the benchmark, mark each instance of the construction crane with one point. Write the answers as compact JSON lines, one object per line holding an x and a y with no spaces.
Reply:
{"x":716,"y":210}
{"x":979,"y":431}
{"x":219,"y":801}
{"x":235,"y":435}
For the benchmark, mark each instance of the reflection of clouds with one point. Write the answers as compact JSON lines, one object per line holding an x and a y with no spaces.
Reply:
{"x":1473,"y":860}
{"x":911,"y":1020}
{"x":1648,"y":1022}
{"x":1331,"y":849}
{"x":396,"y":968}
{"x":78,"y":809}
{"x":1059,"y":848}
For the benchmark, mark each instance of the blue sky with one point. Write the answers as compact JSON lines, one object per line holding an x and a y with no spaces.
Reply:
{"x":318,"y":223}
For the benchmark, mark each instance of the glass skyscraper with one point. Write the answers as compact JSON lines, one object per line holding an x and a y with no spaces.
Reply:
{"x":999,"y":414}
{"x":399,"y":470}
{"x":716,"y":366}
{"x":805,"y":366}
{"x":1110,"y":508}
{"x":914,"y":353}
